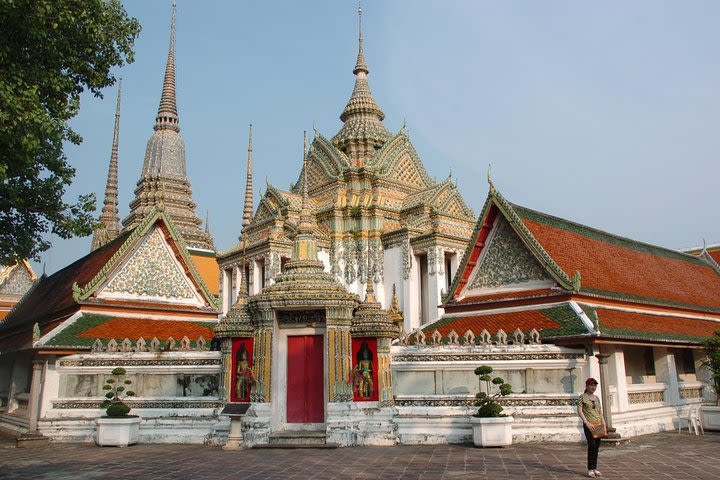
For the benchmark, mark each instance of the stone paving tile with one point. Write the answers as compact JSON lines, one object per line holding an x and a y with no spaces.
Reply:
{"x":660,"y":456}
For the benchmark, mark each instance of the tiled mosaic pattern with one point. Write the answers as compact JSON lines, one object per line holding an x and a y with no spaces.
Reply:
{"x":507,"y":261}
{"x":152,"y":271}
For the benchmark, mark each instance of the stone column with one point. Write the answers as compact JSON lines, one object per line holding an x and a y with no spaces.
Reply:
{"x":35,"y":391}
{"x":666,"y":373}
{"x":339,"y":354}
{"x":384,"y":372}
{"x":436,"y":281}
{"x":411,"y":289}
{"x":616,"y":367}
{"x":227,"y":369}
{"x":262,"y":356}
{"x":605,"y":394}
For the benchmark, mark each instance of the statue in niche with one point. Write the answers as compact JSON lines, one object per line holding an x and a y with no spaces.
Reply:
{"x":244,"y":380}
{"x":363,"y":372}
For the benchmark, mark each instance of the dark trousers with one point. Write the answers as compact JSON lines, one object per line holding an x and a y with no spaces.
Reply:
{"x":593,"y":448}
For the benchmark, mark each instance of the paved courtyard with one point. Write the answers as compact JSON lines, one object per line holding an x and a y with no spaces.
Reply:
{"x":660,"y":456}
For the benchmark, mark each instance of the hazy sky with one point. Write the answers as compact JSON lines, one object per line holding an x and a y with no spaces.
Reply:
{"x":605,"y":113}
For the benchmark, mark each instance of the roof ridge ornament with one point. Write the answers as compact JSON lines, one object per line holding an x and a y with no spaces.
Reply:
{"x":489,"y":179}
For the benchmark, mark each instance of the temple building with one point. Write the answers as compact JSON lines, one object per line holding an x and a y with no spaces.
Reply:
{"x":353,"y":311}
{"x":148,"y":287}
{"x":630,"y":314}
{"x":379,"y":217}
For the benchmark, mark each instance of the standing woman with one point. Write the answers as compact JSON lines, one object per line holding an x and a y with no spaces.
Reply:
{"x":593,"y":424}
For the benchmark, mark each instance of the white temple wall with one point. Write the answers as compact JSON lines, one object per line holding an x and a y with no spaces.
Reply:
{"x":393,"y":275}
{"x":177,"y":395}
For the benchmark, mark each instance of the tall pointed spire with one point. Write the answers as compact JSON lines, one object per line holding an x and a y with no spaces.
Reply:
{"x":304,"y":251}
{"x":109,"y":227}
{"x":164,"y":174}
{"x":247,"y":211}
{"x":167,"y":116}
{"x":360,"y":65}
{"x":305,"y":217}
{"x":363,"y":132}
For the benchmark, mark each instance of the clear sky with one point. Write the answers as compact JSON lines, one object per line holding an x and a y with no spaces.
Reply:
{"x":605,"y":113}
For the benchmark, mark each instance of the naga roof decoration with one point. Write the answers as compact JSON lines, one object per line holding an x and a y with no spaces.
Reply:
{"x":109,"y":227}
{"x":643,"y":325}
{"x":611,"y":266}
{"x":164,"y":177}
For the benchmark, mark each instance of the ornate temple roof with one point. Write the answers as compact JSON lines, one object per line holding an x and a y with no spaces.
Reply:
{"x":550,"y":322}
{"x":304,"y":283}
{"x":588,"y":261}
{"x":164,"y":177}
{"x":622,"y":289}
{"x":84,"y":331}
{"x":109,"y":220}
{"x":362,"y":132}
{"x":562,"y":322}
{"x":122,"y":265}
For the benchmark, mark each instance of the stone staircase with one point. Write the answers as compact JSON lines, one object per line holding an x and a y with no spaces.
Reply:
{"x":298,"y":439}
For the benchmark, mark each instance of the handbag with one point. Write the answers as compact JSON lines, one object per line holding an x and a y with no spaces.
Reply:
{"x":598,"y":430}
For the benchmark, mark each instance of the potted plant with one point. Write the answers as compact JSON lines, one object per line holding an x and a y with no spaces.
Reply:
{"x":490,"y":427}
{"x":710,"y":414}
{"x":117,"y":427}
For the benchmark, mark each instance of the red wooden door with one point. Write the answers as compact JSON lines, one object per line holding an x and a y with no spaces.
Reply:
{"x":305,"y":375}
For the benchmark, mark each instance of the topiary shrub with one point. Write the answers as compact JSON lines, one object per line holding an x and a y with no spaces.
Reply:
{"x":487,"y":401}
{"x":117,"y":390}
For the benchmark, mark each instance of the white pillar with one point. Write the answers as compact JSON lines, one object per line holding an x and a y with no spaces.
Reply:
{"x":35,"y":389}
{"x":436,"y":282}
{"x":616,"y":371}
{"x":411,"y":295}
{"x":666,"y":373}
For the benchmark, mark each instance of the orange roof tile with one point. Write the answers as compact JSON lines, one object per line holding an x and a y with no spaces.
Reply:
{"x":620,"y":322}
{"x":620,"y":267}
{"x":135,"y":328}
{"x":209,"y":270}
{"x":540,"y":292}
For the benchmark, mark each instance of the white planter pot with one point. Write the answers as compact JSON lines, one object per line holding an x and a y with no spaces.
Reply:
{"x":117,"y":432}
{"x":492,"y":432}
{"x":710,"y":417}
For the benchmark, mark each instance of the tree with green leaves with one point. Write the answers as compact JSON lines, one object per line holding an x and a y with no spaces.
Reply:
{"x":50,"y":52}
{"x":712,"y":362}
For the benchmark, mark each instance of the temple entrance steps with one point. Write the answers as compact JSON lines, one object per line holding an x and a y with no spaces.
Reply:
{"x":298,"y":439}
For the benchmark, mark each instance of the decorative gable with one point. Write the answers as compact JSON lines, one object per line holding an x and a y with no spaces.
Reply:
{"x":16,"y":279}
{"x":152,"y":273}
{"x":506,"y":261}
{"x":406,"y":171}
